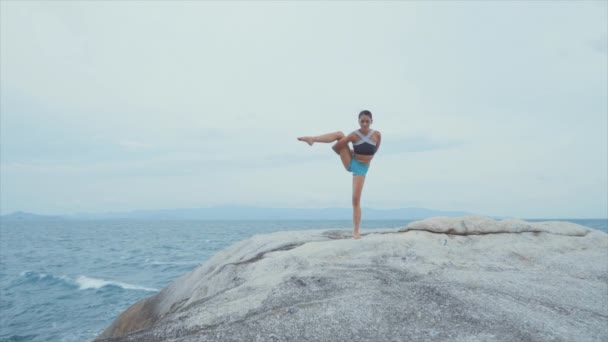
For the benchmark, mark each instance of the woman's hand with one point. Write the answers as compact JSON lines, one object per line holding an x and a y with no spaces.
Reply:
{"x":343,"y":142}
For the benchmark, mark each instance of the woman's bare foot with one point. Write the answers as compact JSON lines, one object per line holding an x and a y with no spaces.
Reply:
{"x":357,"y":236}
{"x":309,"y":140}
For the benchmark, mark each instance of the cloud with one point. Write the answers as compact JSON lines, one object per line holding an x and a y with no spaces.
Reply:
{"x":599,"y":45}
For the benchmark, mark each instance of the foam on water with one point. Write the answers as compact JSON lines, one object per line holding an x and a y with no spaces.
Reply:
{"x":26,"y":277}
{"x":85,"y":283}
{"x":172,"y":262}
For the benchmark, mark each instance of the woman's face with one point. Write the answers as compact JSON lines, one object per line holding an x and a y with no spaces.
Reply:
{"x":365,"y":121}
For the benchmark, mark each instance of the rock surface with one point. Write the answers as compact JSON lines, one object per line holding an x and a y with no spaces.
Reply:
{"x":441,"y":279}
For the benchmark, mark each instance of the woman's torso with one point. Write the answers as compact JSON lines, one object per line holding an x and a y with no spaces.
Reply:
{"x":365,"y":159}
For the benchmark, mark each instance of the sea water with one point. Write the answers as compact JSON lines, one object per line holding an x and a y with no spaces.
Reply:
{"x":68,"y":280}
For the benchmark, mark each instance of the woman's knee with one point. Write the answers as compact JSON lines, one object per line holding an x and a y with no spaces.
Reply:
{"x":356,"y":201}
{"x":339,"y":134}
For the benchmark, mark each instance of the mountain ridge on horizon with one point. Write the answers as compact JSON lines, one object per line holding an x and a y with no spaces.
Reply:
{"x":228,"y":212}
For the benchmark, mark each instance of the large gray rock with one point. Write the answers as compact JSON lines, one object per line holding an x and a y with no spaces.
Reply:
{"x":440,"y":279}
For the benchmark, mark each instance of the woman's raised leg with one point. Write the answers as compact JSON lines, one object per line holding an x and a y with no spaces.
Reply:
{"x":345,"y":152}
{"x":324,"y":138}
{"x":345,"y":156}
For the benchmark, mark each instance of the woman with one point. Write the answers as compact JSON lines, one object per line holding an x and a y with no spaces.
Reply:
{"x":366,"y":142}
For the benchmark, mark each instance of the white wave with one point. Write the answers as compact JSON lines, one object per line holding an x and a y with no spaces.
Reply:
{"x":172,"y":262}
{"x":40,"y":276}
{"x":32,"y":273}
{"x":85,"y":283}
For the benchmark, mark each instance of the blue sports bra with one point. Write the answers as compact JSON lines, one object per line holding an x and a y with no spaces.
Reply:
{"x":365,"y":145}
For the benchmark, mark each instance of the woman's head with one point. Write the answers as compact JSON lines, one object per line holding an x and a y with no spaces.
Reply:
{"x":365,"y":118}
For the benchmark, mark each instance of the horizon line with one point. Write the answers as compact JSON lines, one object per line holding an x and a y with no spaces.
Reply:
{"x":317,"y":208}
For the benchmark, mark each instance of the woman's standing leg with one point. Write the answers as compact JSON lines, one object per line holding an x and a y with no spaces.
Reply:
{"x":357,"y":189}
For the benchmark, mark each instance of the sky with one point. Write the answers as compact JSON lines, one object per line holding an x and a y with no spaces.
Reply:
{"x":495,"y":108}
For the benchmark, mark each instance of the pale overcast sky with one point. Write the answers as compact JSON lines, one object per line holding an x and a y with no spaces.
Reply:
{"x":496,"y":108}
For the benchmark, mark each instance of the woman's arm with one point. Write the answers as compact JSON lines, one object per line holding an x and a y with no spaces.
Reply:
{"x":379,"y":140}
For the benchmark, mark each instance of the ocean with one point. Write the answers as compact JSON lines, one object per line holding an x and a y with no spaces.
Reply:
{"x":68,"y":280}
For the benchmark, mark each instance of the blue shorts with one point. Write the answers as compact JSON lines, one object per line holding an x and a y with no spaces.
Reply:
{"x":357,"y":168}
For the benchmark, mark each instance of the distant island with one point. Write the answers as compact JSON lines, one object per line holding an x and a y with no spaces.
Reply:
{"x":23,"y":216}
{"x":245,"y":213}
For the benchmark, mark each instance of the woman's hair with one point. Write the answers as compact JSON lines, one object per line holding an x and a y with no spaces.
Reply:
{"x":365,"y":112}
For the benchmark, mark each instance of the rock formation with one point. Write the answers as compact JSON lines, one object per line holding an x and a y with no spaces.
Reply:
{"x":440,"y":279}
